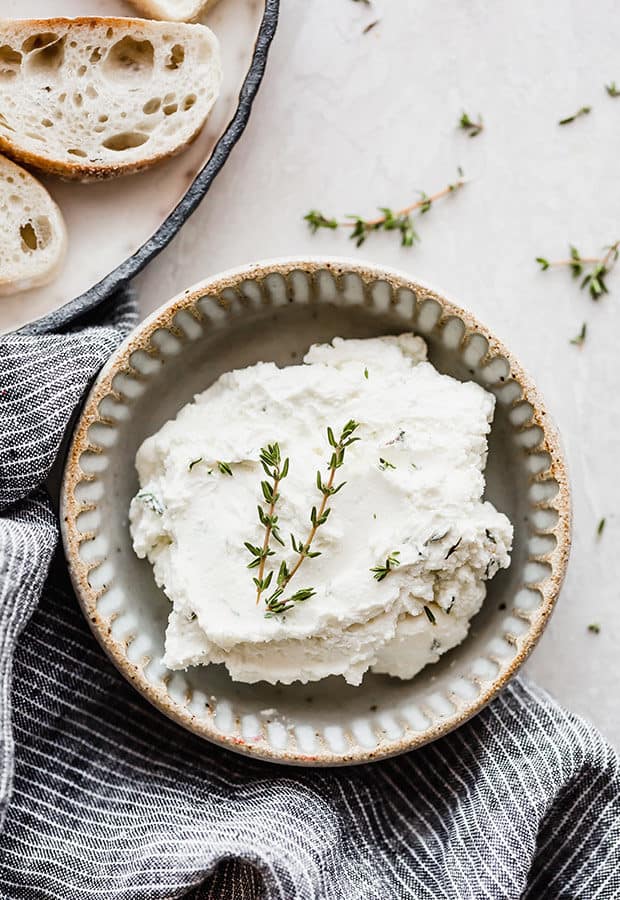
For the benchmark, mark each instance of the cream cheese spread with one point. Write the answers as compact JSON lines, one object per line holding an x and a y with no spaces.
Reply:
{"x":413,"y":495}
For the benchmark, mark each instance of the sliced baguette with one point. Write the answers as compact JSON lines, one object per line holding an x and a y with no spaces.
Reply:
{"x":173,"y":10}
{"x":96,"y":97}
{"x":33,"y":238}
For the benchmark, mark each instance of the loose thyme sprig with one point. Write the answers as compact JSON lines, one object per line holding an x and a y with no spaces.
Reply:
{"x":584,"y":111}
{"x":472,"y":128}
{"x":276,"y":471}
{"x":391,"y":562}
{"x":612,"y":90}
{"x":580,"y":339}
{"x":400,"y":220}
{"x":276,"y":603}
{"x":594,"y":278}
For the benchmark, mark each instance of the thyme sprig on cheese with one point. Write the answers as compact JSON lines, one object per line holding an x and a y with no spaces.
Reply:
{"x":391,"y":562}
{"x":276,"y":471}
{"x":385,"y":464}
{"x":270,"y":458}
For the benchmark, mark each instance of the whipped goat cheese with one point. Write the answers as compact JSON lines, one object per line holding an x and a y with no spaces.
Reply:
{"x":413,"y":494}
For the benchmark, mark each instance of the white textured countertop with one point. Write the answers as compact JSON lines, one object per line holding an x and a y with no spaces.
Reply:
{"x":348,"y":121}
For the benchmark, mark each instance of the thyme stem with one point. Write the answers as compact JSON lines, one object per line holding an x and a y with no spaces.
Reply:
{"x":594,"y":279}
{"x":271,"y":461}
{"x":328,"y":490}
{"x":590,"y":260}
{"x":407,"y":210}
{"x":268,"y":530}
{"x":570,"y":262}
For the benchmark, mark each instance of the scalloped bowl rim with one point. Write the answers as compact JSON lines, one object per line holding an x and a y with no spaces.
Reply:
{"x":162,"y":318}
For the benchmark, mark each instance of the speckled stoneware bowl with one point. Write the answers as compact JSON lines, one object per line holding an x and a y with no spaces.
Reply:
{"x":274,"y":311}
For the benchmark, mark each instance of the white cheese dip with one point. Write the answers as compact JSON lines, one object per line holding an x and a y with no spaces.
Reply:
{"x":414,"y":486}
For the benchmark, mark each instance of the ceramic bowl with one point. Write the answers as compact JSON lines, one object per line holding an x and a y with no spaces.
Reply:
{"x":274,"y":311}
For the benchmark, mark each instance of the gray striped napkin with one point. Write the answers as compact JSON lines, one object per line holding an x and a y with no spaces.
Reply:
{"x":102,"y":797}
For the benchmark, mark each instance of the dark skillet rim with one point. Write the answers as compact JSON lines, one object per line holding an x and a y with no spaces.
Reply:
{"x":122,"y":274}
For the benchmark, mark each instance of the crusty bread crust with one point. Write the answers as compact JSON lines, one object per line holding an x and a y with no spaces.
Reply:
{"x":91,"y":172}
{"x":80,"y":170}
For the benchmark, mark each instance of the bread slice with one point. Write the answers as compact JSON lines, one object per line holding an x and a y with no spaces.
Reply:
{"x":33,"y":237}
{"x":96,"y":97}
{"x":173,"y":10}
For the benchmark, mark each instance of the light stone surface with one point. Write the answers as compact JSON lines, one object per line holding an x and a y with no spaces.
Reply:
{"x":347,"y":121}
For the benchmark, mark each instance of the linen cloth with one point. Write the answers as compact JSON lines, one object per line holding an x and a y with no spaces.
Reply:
{"x":102,"y":797}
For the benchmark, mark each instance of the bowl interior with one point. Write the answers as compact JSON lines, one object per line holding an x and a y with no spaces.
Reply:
{"x":179,"y":354}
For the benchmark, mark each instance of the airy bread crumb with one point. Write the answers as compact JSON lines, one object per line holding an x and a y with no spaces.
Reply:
{"x":97,"y":97}
{"x":32,"y":231}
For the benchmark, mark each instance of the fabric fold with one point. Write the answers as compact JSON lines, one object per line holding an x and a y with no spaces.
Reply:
{"x":104,"y":797}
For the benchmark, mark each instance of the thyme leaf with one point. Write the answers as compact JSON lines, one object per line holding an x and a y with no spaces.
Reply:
{"x":391,"y":562}
{"x":224,"y":467}
{"x":453,"y":548}
{"x":436,"y":537}
{"x":370,"y":25}
{"x":583,"y":111}
{"x":276,"y":606}
{"x":385,"y":464}
{"x":430,"y":615}
{"x":579,"y":339}
{"x":317,"y":220}
{"x":612,"y":90}
{"x":470,"y":126}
